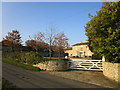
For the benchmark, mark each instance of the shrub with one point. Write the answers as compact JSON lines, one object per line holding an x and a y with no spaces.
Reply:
{"x":96,"y":56}
{"x":31,"y":57}
{"x":25,"y":57}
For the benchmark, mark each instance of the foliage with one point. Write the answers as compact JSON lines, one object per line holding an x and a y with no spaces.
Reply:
{"x":40,"y":39}
{"x":60,"y":43}
{"x":103,"y":31}
{"x":31,"y":57}
{"x":38,"y":43}
{"x":18,"y":64}
{"x":45,"y":59}
{"x":96,"y":56}
{"x":31,"y":43}
{"x":41,"y":43}
{"x":6,"y":42}
{"x":13,"y":39}
{"x":49,"y":42}
{"x":24,"y":57}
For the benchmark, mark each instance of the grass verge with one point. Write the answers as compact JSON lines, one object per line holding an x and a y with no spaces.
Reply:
{"x":18,"y":64}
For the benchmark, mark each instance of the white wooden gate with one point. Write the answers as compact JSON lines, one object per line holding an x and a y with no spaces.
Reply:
{"x":85,"y":64}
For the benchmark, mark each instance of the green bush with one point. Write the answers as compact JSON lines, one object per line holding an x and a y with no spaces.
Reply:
{"x":96,"y":56}
{"x":31,"y":57}
{"x":24,"y":57}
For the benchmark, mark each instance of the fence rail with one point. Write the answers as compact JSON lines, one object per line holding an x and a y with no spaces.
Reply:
{"x":85,"y":64}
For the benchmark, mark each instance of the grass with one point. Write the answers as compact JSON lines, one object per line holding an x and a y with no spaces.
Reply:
{"x":18,"y":64}
{"x":27,"y":66}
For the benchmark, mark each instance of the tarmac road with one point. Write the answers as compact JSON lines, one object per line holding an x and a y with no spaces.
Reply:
{"x":28,"y":79}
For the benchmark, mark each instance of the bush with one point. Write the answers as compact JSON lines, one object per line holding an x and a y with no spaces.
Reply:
{"x":96,"y":56}
{"x":24,"y":57}
{"x":31,"y":57}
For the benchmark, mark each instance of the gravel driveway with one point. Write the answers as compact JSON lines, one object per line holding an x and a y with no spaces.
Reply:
{"x":93,"y":77}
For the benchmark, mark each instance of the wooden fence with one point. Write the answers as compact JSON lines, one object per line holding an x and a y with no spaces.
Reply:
{"x":85,"y":64}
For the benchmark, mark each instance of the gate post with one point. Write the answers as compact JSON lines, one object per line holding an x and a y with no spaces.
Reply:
{"x":103,"y":58}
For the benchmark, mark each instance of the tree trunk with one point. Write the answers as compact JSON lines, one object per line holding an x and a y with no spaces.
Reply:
{"x":50,"y":52}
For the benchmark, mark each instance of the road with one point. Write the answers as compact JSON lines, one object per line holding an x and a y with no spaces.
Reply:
{"x":28,"y":79}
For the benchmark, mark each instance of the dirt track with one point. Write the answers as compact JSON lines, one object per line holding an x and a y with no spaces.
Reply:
{"x":93,"y":77}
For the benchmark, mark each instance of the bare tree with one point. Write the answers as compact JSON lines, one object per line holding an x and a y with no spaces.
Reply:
{"x":51,"y":40}
{"x":50,"y":36}
{"x":46,"y":39}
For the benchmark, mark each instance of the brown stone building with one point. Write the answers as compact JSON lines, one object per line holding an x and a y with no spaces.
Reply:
{"x":79,"y":50}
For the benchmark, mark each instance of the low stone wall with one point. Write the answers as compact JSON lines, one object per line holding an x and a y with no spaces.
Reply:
{"x":56,"y":65}
{"x":112,"y":71}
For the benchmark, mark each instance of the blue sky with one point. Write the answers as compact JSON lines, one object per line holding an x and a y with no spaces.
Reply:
{"x":33,"y":17}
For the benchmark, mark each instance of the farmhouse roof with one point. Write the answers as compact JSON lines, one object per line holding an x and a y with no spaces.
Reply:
{"x":68,"y":49}
{"x":85,"y":43}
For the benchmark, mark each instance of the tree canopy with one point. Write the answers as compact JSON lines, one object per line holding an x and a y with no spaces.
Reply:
{"x":13,"y":39}
{"x":60,"y":42}
{"x":103,"y":31}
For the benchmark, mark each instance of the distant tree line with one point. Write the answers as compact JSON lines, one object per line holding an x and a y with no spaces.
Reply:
{"x":46,"y":44}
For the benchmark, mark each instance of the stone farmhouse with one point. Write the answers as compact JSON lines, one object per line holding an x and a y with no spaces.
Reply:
{"x":79,"y":50}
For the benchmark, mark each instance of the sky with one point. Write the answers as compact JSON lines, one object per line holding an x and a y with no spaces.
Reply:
{"x":33,"y":17}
